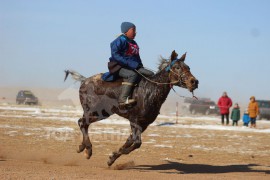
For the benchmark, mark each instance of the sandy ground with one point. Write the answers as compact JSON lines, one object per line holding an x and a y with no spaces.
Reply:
{"x":41,"y":143}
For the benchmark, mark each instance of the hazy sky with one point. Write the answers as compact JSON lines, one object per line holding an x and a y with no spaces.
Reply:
{"x":227,"y":41}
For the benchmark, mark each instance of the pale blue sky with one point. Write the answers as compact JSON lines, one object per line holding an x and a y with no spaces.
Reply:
{"x":228,"y":41}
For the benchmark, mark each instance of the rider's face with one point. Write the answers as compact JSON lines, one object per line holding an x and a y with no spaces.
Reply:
{"x":131,"y":33}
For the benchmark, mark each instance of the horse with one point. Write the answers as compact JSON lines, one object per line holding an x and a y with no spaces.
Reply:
{"x":99,"y":100}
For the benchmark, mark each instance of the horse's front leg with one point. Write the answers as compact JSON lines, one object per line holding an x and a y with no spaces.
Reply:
{"x":133,"y":142}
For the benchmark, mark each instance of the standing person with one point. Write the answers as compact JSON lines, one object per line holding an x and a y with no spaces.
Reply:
{"x":253,"y":111}
{"x":125,"y":61}
{"x":235,"y":115}
{"x":224,"y":104}
{"x":246,"y":118}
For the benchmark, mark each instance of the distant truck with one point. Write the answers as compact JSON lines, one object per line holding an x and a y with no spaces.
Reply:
{"x":201,"y":105}
{"x":26,"y":97}
{"x":264,"y":106}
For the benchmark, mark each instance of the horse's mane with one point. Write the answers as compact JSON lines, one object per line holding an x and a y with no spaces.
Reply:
{"x":162,"y":63}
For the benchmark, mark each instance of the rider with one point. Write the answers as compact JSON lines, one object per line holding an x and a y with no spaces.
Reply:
{"x":125,"y":59}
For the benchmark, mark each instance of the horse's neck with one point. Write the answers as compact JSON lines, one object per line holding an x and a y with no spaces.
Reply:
{"x":160,"y":89}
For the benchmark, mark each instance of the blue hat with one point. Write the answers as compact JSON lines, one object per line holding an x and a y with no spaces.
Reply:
{"x":125,"y":26}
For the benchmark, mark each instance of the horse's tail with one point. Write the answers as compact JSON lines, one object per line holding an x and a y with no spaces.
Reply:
{"x":75,"y":75}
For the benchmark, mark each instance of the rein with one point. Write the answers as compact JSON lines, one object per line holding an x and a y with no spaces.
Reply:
{"x":168,"y":68}
{"x":193,"y":96}
{"x":158,"y":83}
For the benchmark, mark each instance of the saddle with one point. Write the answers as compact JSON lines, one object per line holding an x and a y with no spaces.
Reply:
{"x":97,"y":79}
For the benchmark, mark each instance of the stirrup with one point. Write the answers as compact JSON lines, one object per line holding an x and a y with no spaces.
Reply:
{"x":128,"y":102}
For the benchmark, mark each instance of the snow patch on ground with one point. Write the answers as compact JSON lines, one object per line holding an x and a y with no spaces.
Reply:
{"x":222,"y":128}
{"x":163,"y":146}
{"x":185,"y":122}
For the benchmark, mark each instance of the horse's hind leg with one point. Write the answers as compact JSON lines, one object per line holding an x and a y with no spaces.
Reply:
{"x":86,"y":143}
{"x":80,"y":124}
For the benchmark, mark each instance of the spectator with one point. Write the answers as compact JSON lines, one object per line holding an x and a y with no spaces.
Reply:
{"x":235,"y":116}
{"x":246,"y":118}
{"x":253,"y":111}
{"x":224,"y":104}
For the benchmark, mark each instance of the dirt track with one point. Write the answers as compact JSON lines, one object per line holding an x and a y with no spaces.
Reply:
{"x":36,"y":146}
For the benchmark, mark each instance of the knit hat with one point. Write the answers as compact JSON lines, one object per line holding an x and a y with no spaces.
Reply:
{"x":125,"y":26}
{"x":252,"y":97}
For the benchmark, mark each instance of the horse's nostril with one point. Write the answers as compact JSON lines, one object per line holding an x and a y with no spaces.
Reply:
{"x":194,"y":81}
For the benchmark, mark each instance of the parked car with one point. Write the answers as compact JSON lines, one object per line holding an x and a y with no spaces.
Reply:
{"x":26,"y":97}
{"x":202,"y":105}
{"x":264,"y":106}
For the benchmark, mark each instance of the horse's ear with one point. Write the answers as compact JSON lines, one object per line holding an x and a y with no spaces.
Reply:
{"x":174,"y":55}
{"x":183,"y":57}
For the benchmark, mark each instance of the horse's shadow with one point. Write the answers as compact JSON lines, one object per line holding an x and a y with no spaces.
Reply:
{"x":181,"y":168}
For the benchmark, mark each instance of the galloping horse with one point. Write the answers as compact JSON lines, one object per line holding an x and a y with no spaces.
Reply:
{"x":99,"y":101}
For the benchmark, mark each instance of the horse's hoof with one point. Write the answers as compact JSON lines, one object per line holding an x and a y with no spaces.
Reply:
{"x":87,"y":153}
{"x":109,"y":162}
{"x":81,"y":148}
{"x":112,"y":158}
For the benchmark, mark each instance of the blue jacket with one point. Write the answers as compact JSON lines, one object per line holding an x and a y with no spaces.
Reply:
{"x":125,"y":52}
{"x":246,"y":118}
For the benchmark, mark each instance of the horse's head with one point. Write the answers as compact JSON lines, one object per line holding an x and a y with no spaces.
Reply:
{"x":179,"y":73}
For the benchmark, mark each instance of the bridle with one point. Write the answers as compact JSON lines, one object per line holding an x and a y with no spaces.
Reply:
{"x":180,"y":77}
{"x":168,"y":68}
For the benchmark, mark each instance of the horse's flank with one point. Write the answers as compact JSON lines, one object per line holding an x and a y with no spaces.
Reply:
{"x":149,"y":97}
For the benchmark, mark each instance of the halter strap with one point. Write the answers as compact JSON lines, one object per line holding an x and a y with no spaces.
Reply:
{"x":168,"y":68}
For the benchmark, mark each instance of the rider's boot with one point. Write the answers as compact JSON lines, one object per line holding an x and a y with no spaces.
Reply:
{"x":126,"y":91}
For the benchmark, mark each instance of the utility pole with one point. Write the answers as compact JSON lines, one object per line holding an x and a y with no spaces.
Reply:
{"x":176,"y":113}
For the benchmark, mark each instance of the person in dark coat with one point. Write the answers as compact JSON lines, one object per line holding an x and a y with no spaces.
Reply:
{"x":224,"y":104}
{"x":125,"y":61}
{"x":235,"y":115}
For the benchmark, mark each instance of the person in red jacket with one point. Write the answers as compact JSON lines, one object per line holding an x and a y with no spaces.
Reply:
{"x":224,"y":104}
